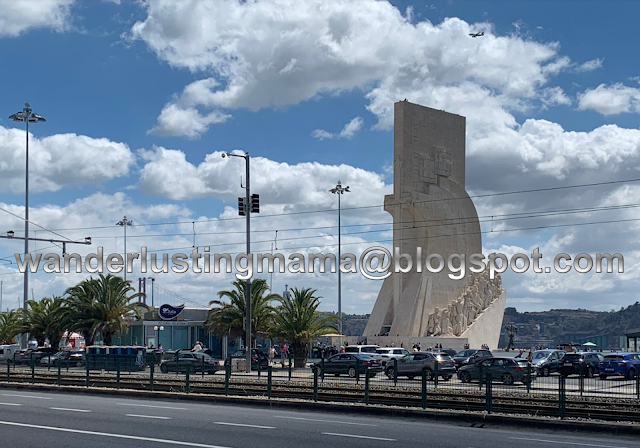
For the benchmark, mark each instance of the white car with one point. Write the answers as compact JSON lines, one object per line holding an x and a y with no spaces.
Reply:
{"x":386,"y":354}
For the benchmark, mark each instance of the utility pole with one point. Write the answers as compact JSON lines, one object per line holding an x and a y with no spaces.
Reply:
{"x":152,"y":282}
{"x":1,"y":284}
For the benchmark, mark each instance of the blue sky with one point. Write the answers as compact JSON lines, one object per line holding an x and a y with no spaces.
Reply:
{"x":107,"y":71}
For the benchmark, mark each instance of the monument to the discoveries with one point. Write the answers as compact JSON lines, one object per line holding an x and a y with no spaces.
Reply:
{"x":432,"y":210}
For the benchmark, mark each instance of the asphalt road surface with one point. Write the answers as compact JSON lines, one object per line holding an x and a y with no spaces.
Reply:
{"x":40,"y":419}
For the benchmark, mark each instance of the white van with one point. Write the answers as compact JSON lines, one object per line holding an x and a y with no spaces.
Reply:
{"x":362,"y":349}
{"x":7,"y":351}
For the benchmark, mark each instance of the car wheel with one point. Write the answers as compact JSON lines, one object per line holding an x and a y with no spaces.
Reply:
{"x":507,"y":379}
{"x":410,"y":377}
{"x":603,"y":377}
{"x":391,"y":373}
{"x":446,"y":378}
{"x":351,"y":372}
{"x":589,"y":373}
{"x":428,"y":374}
{"x":545,"y":371}
{"x":164,"y":368}
{"x":631,"y":374}
{"x":465,"y":377}
{"x":372,"y":375}
{"x":79,"y":364}
{"x":336,"y":374}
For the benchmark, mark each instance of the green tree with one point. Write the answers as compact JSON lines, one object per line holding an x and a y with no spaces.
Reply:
{"x":102,"y":305}
{"x":298,"y":321}
{"x":10,"y":324}
{"x":228,"y":318}
{"x":44,"y":320}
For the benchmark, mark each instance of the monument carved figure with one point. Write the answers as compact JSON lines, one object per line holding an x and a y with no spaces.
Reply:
{"x":431,"y":210}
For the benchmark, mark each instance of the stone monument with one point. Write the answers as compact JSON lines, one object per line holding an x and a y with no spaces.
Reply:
{"x":432,"y":210}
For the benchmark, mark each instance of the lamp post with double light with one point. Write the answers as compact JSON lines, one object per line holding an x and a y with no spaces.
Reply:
{"x":158,"y":329}
{"x":339,"y":190}
{"x":125,"y":223}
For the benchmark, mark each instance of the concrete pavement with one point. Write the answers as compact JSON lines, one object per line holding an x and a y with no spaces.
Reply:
{"x":43,"y":419}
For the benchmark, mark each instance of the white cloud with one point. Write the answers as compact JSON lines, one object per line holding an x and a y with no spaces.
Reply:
{"x":189,"y":122}
{"x":284,"y":52}
{"x":608,"y":100}
{"x":59,"y":160}
{"x":589,"y":66}
{"x":17,"y":17}
{"x":555,"y":96}
{"x":348,"y":131}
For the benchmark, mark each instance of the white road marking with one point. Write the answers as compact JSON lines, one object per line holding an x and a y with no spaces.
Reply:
{"x":152,"y":406}
{"x":358,"y":437}
{"x":243,"y":425}
{"x":325,"y":421}
{"x":116,"y":436}
{"x":561,"y":442}
{"x":71,"y":410}
{"x":26,"y":396}
{"x":148,"y":416}
{"x":10,"y":404}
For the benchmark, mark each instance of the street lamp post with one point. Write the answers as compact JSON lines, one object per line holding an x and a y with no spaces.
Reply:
{"x":153,"y":280}
{"x":247,"y":204}
{"x":125,"y":223}
{"x":158,"y":329}
{"x":339,"y":190}
{"x":27,"y":116}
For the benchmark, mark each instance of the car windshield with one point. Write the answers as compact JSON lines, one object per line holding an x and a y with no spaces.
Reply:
{"x":351,"y":350}
{"x":383,"y":350}
{"x":59,"y":354}
{"x":572,"y":356}
{"x":465,"y":353}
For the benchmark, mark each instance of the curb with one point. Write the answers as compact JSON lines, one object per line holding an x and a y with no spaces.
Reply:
{"x":427,"y":415}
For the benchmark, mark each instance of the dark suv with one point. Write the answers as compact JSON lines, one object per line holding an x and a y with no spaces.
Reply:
{"x":571,"y":362}
{"x":470,"y":356}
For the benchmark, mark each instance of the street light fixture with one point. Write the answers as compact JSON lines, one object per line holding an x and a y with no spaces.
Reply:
{"x":27,"y":116}
{"x":125,"y":223}
{"x":339,"y":190}
{"x":247,"y":207}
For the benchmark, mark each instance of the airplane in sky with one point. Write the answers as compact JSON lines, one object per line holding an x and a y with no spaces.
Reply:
{"x":477,"y":34}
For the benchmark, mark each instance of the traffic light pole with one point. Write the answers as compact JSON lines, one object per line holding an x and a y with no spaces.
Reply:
{"x":248,"y":290}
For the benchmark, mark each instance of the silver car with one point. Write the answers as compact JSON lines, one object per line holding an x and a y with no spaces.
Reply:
{"x":413,"y":364}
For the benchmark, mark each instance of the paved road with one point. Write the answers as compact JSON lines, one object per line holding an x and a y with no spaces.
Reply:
{"x":38,"y":419}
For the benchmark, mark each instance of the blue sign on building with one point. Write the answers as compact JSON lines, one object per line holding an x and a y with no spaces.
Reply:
{"x":167,"y":312}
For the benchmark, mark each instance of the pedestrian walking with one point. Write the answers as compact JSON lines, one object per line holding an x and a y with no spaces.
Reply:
{"x":272,"y":354}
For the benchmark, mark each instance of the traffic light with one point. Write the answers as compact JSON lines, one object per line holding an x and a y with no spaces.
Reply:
{"x":255,"y":203}
{"x":241,"y":207}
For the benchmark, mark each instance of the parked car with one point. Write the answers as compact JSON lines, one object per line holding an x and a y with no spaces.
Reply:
{"x":470,"y":356}
{"x":413,"y":364}
{"x":505,"y":370}
{"x":255,"y":355}
{"x":547,"y":361}
{"x":589,"y":361}
{"x":197,"y":362}
{"x":363,"y":349}
{"x":74,"y":358}
{"x":615,"y":364}
{"x":447,"y":351}
{"x":24,"y":356}
{"x":386,"y":354}
{"x":350,"y":364}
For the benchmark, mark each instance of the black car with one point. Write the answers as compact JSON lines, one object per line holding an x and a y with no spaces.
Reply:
{"x":72,"y":358}
{"x":470,"y":356}
{"x":571,"y":362}
{"x":351,"y":364}
{"x":505,"y":370}
{"x":255,"y":355}
{"x":197,"y":362}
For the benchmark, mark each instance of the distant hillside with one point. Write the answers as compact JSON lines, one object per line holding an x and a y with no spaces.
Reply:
{"x":550,"y":327}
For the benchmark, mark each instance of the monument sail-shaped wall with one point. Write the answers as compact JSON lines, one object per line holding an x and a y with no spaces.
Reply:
{"x":432,"y":211}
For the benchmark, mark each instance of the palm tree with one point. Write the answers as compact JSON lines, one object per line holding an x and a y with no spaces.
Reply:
{"x":44,"y":320}
{"x":298,"y":321}
{"x":102,"y":305}
{"x":10,"y":324}
{"x":228,"y":318}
